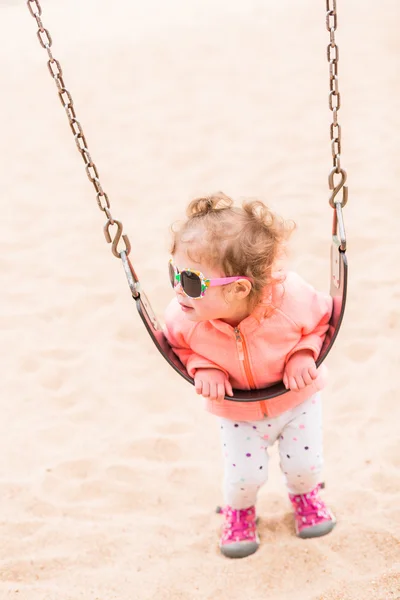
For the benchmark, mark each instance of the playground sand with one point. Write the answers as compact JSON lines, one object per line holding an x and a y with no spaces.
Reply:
{"x":110,"y":469}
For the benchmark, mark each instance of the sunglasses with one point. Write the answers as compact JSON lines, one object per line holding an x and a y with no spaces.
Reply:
{"x":193,"y":283}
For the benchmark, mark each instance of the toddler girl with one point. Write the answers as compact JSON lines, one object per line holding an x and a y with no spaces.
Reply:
{"x":238,"y":322}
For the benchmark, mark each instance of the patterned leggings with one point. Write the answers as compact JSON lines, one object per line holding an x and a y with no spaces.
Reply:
{"x":245,"y":449}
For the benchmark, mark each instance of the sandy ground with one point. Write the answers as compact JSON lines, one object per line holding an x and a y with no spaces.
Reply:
{"x":109,"y":467}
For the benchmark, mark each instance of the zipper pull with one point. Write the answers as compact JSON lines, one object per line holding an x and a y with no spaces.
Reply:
{"x":239,"y":343}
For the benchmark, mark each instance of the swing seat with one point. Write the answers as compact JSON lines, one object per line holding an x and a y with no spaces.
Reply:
{"x":338,"y":286}
{"x":338,"y":290}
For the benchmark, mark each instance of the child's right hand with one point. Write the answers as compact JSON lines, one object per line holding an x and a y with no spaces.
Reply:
{"x":212,"y":383}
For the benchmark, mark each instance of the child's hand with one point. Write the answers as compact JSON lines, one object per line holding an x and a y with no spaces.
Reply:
{"x":212,"y":383}
{"x":300,"y":370}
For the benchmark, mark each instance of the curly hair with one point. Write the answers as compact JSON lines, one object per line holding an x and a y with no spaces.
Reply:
{"x":241,"y":240}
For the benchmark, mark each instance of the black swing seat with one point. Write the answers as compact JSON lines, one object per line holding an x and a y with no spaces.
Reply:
{"x":338,"y":289}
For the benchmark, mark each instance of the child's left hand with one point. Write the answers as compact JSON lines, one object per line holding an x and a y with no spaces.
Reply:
{"x":300,"y":370}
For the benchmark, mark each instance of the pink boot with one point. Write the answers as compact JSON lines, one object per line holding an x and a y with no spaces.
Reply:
{"x":239,"y":535}
{"x":312,"y":517}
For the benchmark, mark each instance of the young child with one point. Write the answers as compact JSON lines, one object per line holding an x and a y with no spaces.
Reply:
{"x":237,"y":321}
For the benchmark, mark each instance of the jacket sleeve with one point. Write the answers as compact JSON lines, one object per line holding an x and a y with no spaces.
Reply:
{"x":311,"y":313}
{"x":178,"y":330}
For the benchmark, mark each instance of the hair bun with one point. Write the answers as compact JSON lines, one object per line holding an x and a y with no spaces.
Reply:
{"x":199,"y":207}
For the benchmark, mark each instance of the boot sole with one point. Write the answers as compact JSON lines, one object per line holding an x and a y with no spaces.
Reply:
{"x":316,"y":530}
{"x":239,"y":549}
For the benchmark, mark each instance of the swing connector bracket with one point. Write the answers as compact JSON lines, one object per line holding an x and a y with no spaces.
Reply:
{"x":336,"y":188}
{"x":117,"y":238}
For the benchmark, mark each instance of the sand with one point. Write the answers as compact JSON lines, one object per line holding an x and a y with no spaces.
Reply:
{"x":110,"y":469}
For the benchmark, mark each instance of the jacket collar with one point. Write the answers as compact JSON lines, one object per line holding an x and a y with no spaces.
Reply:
{"x":264,"y":309}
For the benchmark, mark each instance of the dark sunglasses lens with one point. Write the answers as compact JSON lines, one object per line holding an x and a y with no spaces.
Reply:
{"x":171,"y":272}
{"x":191,"y":284}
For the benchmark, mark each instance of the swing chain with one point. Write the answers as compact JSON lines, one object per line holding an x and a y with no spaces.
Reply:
{"x":334,"y":105}
{"x":56,"y":72}
{"x":103,"y":202}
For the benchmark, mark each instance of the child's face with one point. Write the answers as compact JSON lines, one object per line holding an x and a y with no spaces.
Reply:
{"x":215,"y":304}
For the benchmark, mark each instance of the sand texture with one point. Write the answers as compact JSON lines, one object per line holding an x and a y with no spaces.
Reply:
{"x":110,"y":469}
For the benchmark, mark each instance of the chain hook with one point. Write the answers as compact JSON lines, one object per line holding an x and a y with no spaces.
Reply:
{"x":336,"y":189}
{"x":117,"y":238}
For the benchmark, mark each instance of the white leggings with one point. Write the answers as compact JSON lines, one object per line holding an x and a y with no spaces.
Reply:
{"x":245,"y":450}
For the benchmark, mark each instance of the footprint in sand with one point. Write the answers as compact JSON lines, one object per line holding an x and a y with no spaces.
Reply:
{"x":79,"y":490}
{"x":123,"y":474}
{"x":29,"y":364}
{"x":360,"y":352}
{"x":68,"y":400}
{"x":158,"y":449}
{"x":175,"y":428}
{"x":126,"y":332}
{"x":51,"y":378}
{"x":83,"y":483}
{"x":32,"y":571}
{"x":76,"y":469}
{"x":386,"y":482}
{"x":391,"y":457}
{"x":180,"y":475}
{"x":66,"y":480}
{"x":394,"y":319}
{"x":58,"y":354}
{"x":42,"y":509}
{"x":20,"y":529}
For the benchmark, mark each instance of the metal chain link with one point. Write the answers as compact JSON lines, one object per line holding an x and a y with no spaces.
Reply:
{"x":334,"y":105}
{"x":66,"y":100}
{"x":103,"y":202}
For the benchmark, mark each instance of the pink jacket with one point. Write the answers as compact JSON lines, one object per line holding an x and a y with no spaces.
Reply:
{"x":254,"y":354}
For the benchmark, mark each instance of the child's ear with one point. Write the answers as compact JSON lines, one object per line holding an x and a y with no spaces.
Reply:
{"x":242,"y":289}
{"x":239,"y":290}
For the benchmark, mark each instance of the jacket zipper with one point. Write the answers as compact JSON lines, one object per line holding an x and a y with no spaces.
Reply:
{"x":244,"y":357}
